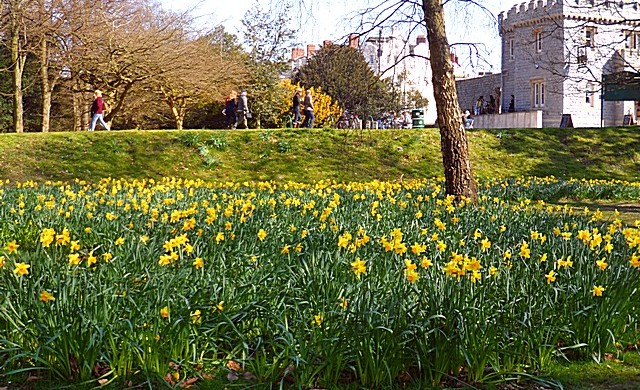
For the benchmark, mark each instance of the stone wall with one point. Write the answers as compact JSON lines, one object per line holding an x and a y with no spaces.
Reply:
{"x":514,"y":120}
{"x":469,"y":90}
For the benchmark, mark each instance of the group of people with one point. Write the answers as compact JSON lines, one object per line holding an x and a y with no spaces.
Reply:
{"x":307,"y":105}
{"x":236,"y":110}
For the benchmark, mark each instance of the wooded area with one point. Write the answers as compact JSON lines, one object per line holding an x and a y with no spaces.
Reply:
{"x":151,"y":64}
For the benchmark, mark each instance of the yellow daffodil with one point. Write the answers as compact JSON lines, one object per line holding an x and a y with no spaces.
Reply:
{"x":358,"y":267}
{"x":262,"y":234}
{"x":550,"y":277}
{"x":164,"y":312}
{"x":11,"y":247}
{"x":196,"y":317}
{"x":46,"y":296}
{"x":597,"y":291}
{"x":21,"y":269}
{"x":198,"y":263}
{"x":602,"y":264}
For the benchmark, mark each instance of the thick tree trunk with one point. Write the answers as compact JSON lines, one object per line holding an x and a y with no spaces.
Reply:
{"x":17,"y":62}
{"x":45,"y":84}
{"x":459,"y":179}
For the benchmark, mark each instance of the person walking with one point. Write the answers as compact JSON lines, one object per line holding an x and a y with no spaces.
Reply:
{"x":230,"y":109}
{"x":296,"y":108}
{"x":479,"y":105}
{"x":97,"y":111}
{"x":308,"y":110}
{"x":242,"y":111}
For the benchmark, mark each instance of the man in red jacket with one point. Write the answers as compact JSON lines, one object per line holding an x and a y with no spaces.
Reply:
{"x":97,"y":111}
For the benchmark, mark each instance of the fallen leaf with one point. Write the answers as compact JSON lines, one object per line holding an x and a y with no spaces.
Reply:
{"x":232,"y":376}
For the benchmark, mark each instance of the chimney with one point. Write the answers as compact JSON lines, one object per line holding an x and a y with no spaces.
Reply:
{"x":327,"y":43}
{"x":311,"y":49}
{"x":354,"y":41}
{"x":296,"y":53}
{"x":421,"y":39}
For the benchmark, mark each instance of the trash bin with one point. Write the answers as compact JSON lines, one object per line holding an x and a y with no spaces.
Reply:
{"x":417,"y":118}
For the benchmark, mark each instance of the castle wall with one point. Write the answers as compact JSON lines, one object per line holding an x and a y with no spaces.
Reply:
{"x":469,"y":90}
{"x":571,"y":60}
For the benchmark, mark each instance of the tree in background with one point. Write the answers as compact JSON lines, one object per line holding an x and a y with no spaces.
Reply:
{"x":267,"y":36}
{"x":199,"y":75}
{"x":343,"y":73}
{"x":326,"y":110}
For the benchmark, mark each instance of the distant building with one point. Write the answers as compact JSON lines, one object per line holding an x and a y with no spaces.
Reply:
{"x":394,"y":57}
{"x":554,"y":56}
{"x":405,"y":64}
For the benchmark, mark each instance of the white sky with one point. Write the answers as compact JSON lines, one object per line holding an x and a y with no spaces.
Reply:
{"x":329,"y":20}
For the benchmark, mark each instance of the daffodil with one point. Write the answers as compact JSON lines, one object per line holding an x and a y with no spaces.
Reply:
{"x":262,"y":234}
{"x":46,"y":296}
{"x":318,"y":319}
{"x":21,"y":269}
{"x":597,"y":291}
{"x":196,"y":317}
{"x":550,"y":277}
{"x":164,"y":312}
{"x":358,"y":267}
{"x":198,"y":262}
{"x":602,"y":264}
{"x":11,"y":247}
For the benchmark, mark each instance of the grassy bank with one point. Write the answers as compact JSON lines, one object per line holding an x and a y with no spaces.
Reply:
{"x":308,"y":155}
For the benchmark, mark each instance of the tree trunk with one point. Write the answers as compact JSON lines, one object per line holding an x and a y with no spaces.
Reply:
{"x":77,"y":115}
{"x":459,"y":179}
{"x":45,"y":84}
{"x":17,"y":62}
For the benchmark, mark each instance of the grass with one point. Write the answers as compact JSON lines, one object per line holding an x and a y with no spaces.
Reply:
{"x":307,"y":155}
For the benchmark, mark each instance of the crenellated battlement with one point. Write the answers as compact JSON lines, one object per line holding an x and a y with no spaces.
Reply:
{"x":532,"y":9}
{"x":599,"y":11}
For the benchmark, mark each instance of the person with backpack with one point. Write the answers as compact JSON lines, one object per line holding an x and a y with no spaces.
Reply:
{"x":97,"y":111}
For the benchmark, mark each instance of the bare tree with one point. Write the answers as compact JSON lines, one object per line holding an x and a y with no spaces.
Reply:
{"x":200,"y":74}
{"x":413,"y":16}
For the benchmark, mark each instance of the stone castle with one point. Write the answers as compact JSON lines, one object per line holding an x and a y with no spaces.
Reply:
{"x":554,"y":56}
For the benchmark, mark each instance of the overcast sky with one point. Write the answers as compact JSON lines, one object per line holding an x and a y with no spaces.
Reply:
{"x":329,"y":20}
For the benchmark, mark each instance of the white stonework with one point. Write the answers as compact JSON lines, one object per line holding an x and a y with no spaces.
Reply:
{"x":406,"y":64}
{"x":555,"y":52}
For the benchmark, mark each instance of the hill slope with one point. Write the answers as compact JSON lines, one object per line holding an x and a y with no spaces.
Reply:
{"x":307,"y":155}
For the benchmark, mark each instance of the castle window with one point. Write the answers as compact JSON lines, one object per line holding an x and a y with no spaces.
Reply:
{"x":590,"y":36}
{"x":631,"y":40}
{"x":538,"y":40}
{"x":512,"y":49}
{"x":538,"y":93}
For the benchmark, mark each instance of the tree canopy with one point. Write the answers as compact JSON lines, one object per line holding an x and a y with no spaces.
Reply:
{"x":343,"y":73}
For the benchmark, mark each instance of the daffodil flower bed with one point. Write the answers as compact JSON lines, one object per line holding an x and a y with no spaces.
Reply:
{"x":309,"y":283}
